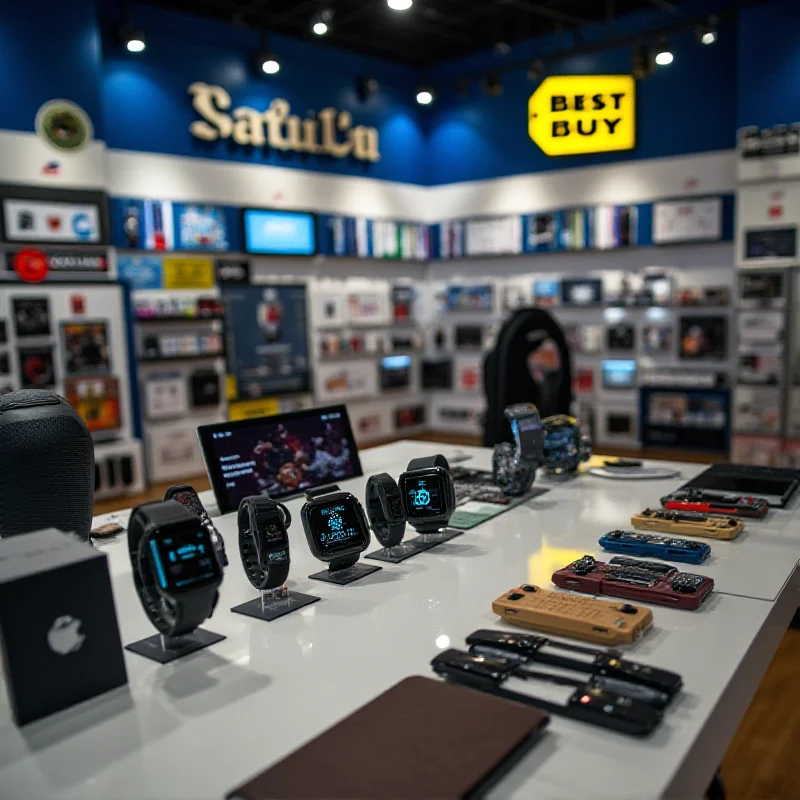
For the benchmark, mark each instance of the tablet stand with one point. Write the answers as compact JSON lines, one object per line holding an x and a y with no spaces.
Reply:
{"x":275,"y":603}
{"x":164,"y":649}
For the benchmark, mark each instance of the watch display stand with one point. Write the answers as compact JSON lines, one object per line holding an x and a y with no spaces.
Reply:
{"x":441,"y":536}
{"x":164,"y":649}
{"x":344,"y":572}
{"x":275,"y":603}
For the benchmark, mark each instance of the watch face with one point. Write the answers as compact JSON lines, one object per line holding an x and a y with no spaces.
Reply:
{"x":393,"y":506}
{"x":338,"y":527}
{"x":184,"y":560}
{"x":272,"y":533}
{"x":424,"y":495}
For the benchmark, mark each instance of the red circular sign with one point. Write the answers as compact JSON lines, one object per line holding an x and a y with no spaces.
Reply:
{"x":31,"y":265}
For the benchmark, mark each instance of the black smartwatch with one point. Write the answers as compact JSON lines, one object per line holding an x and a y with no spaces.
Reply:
{"x":514,"y":465}
{"x":264,"y":541}
{"x":385,"y":510}
{"x":176,"y":569}
{"x":429,"y":496}
{"x":190,"y":500}
{"x":336,"y":526}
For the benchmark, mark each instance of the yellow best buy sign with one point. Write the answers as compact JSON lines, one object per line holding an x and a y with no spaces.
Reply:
{"x":573,"y":114}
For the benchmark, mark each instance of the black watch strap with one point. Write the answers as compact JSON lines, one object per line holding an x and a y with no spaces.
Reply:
{"x":320,"y":490}
{"x":428,"y":461}
{"x":269,"y":576}
{"x":186,"y":614}
{"x":389,"y":534}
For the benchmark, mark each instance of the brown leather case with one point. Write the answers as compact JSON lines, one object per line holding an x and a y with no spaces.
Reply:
{"x":422,"y":738}
{"x":572,"y":615}
{"x":725,"y":528}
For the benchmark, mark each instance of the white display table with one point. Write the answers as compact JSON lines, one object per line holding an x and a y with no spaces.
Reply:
{"x":199,"y":726}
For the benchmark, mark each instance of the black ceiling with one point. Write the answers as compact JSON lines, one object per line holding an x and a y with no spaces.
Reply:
{"x":430,"y":32}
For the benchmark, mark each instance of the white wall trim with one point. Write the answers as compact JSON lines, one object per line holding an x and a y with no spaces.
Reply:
{"x":622,"y":182}
{"x":182,"y":178}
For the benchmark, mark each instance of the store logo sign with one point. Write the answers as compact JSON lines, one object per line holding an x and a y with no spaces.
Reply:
{"x":326,"y":132}
{"x":575,"y":114}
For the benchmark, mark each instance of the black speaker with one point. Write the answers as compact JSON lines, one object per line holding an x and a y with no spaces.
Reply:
{"x":46,"y":465}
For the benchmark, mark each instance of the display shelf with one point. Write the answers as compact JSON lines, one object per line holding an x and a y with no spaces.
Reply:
{"x":169,"y":320}
{"x":179,"y":359}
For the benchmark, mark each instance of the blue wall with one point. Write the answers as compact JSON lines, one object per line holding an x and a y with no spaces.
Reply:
{"x":769,"y":64}
{"x":147,"y":106}
{"x":140,"y":102}
{"x":687,"y":107}
{"x":48,"y":50}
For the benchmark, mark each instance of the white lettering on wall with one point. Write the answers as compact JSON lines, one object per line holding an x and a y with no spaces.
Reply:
{"x":329,"y":132}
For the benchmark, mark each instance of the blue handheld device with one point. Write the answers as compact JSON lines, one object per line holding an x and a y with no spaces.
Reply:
{"x":642,"y":544}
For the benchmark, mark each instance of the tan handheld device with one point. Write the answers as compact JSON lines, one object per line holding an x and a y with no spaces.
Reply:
{"x":687,"y":523}
{"x":576,"y":616}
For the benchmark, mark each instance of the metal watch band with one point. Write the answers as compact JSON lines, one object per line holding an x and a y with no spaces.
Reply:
{"x":511,"y":474}
{"x":185,"y":614}
{"x":274,"y":575}
{"x":428,"y":461}
{"x":389,"y":534}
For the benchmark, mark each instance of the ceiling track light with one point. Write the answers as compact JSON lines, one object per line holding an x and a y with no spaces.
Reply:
{"x":708,"y":33}
{"x":321,"y":22}
{"x":367,"y":88}
{"x":266,"y":61}
{"x":133,"y":39}
{"x":400,"y":5}
{"x":642,"y":61}
{"x":664,"y":54}
{"x":426,"y":95}
{"x":536,"y":70}
{"x":492,"y":84}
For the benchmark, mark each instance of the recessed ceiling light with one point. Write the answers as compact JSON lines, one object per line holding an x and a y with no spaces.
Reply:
{"x":400,"y":5}
{"x":425,"y":96}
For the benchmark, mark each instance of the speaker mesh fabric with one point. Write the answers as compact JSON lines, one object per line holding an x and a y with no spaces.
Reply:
{"x":46,"y":466}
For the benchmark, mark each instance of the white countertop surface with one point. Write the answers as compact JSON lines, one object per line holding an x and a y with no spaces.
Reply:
{"x":199,"y":726}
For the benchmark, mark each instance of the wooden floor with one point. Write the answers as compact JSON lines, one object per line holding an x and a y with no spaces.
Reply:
{"x":762,"y":760}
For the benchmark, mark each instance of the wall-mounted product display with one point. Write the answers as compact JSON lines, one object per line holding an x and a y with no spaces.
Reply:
{"x":73,"y":338}
{"x":154,"y":224}
{"x":267,"y":339}
{"x":685,"y":419}
{"x":546,"y":293}
{"x":619,"y":374}
{"x":279,"y":233}
{"x":53,"y":216}
{"x":395,"y":372}
{"x":358,"y":237}
{"x":687,"y":220}
{"x":757,"y":410}
{"x":658,"y":339}
{"x":410,"y":416}
{"x":703,"y":337}
{"x":762,"y":290}
{"x":369,"y":308}
{"x":621,"y":337}
{"x":468,"y":337}
{"x":469,"y":374}
{"x":581,"y":291}
{"x":469,"y":298}
{"x":345,"y":380}
{"x":437,"y":373}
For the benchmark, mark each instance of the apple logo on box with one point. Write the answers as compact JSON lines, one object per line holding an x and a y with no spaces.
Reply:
{"x":65,"y":636}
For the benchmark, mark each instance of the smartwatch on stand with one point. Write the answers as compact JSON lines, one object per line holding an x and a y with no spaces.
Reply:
{"x":264,"y":549}
{"x":337,"y":532}
{"x":514,"y":465}
{"x":264,"y":541}
{"x":387,"y":517}
{"x":177,"y":573}
{"x":429,"y":496}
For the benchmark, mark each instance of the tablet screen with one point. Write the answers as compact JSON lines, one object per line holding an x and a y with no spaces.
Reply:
{"x":279,"y":455}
